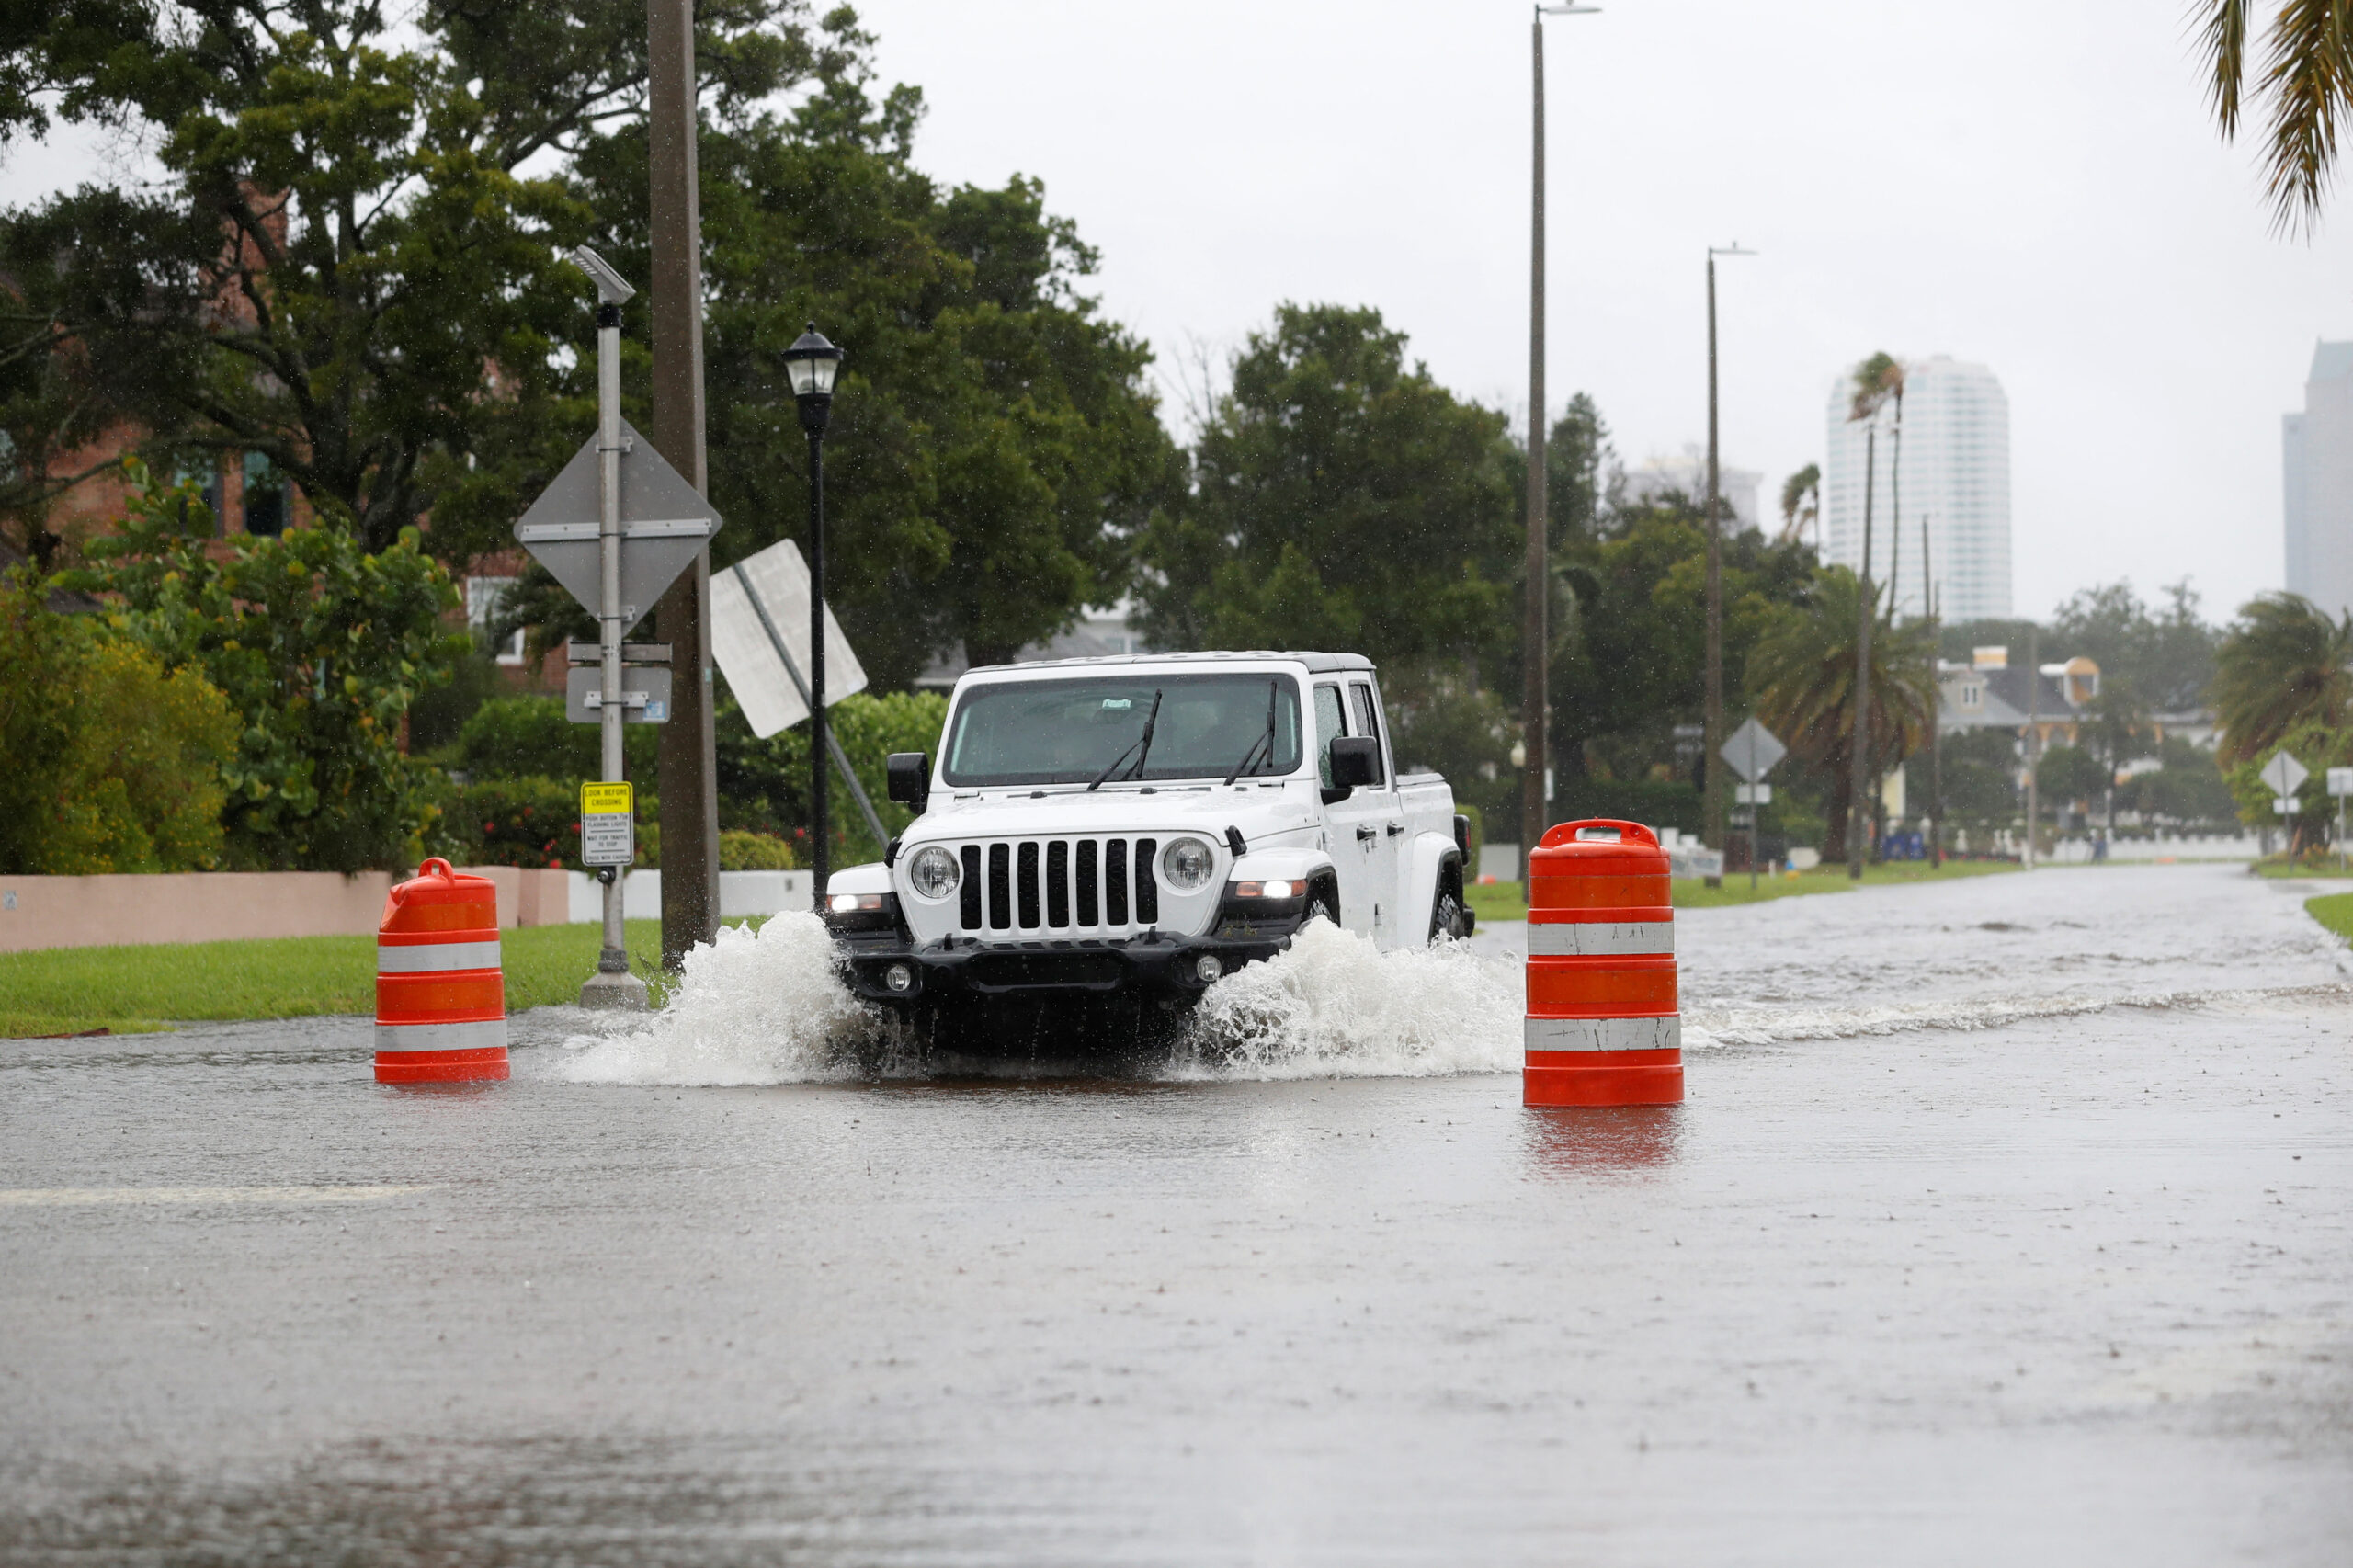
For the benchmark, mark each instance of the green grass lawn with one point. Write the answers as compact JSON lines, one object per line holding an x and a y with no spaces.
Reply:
{"x":130,"y":990}
{"x":1505,"y":900}
{"x":2282,"y":870}
{"x":2334,"y":911}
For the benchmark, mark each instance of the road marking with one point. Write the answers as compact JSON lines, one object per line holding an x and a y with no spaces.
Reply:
{"x":66,"y":1197}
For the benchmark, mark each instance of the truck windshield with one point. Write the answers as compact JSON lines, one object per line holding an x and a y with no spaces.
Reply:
{"x":1068,"y":732}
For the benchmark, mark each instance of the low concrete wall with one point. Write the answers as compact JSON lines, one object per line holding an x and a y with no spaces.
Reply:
{"x":215,"y":907}
{"x":741,"y":893}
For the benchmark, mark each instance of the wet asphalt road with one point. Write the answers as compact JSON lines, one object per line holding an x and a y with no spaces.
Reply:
{"x":2065,"y":1281}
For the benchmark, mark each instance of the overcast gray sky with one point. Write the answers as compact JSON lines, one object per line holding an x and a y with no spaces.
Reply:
{"x":2037,"y":186}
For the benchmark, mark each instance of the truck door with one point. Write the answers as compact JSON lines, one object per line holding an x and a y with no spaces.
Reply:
{"x":1353,"y":825}
{"x":1385,"y":817}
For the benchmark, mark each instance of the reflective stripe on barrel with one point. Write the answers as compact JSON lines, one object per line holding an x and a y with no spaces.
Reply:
{"x":441,"y":996}
{"x":1603,"y":1025}
{"x":1585,"y":938}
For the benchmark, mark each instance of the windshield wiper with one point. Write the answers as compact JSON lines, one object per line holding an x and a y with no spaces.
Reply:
{"x":1266,"y":743}
{"x":1142,"y":747}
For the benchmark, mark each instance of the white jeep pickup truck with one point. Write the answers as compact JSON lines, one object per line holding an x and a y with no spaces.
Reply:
{"x":1131,"y":829}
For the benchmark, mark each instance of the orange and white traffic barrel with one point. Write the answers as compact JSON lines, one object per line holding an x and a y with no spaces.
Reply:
{"x":441,"y":996}
{"x":1604,"y":1025}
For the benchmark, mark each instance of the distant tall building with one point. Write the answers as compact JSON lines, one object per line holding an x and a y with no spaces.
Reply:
{"x":1956,"y":473}
{"x":2317,"y":482}
{"x":1688,"y":477}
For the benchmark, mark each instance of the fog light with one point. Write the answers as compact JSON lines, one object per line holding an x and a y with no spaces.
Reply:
{"x":1209,"y":969}
{"x":899,"y":978}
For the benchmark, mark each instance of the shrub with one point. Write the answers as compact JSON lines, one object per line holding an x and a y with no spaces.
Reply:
{"x":763,"y":785}
{"x":518,"y":821}
{"x":319,"y":647}
{"x":113,"y":764}
{"x":435,"y":716}
{"x":529,"y":737}
{"x":741,"y":851}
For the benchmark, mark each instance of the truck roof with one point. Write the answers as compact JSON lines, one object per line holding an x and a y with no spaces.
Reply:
{"x":1317,"y":664}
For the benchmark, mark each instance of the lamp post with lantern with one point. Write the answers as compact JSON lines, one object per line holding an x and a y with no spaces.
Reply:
{"x":811,"y":363}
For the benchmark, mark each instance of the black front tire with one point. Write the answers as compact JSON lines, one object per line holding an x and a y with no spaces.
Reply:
{"x":1449,"y":921}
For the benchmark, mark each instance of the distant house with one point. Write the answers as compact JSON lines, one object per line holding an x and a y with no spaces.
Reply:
{"x":1991,"y":693}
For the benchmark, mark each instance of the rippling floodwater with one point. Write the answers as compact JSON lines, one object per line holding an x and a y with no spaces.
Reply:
{"x":2005,"y":1222}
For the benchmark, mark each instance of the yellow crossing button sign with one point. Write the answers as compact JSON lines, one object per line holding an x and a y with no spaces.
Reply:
{"x":608,"y":825}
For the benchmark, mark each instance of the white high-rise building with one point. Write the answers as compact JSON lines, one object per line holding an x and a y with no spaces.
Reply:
{"x":1955,"y":472}
{"x":1688,"y":476}
{"x":2317,"y":482}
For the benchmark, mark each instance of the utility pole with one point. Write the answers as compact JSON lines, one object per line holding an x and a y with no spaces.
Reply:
{"x":1535,"y":634}
{"x":1936,"y":706}
{"x":1713,"y":728}
{"x":2033,"y":737}
{"x":688,"y":752}
{"x":1859,"y":780}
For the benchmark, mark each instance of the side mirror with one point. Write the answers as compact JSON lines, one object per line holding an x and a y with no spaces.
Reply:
{"x":1356,"y":762}
{"x":910,"y":777}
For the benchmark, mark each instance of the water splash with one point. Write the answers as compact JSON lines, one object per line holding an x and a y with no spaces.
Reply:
{"x":756,"y":1006}
{"x":770,"y":1007}
{"x":1335,"y":1006}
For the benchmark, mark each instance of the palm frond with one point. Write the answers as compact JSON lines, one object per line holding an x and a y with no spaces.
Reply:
{"x":1877,"y":379}
{"x":1806,"y":483}
{"x":2309,"y":80}
{"x":2223,"y":33}
{"x":2284,"y":663}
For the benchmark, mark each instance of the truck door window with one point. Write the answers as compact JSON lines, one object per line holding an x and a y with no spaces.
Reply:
{"x":1368,"y":721}
{"x":1328,"y":723}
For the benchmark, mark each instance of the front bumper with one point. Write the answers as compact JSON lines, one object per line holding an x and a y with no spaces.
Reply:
{"x":1157,"y":966}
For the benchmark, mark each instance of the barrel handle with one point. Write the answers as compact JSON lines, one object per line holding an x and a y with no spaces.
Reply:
{"x":436,"y":867}
{"x":1571,"y":832}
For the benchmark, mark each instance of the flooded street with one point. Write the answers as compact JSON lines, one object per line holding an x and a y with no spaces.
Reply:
{"x":2007,"y":1222}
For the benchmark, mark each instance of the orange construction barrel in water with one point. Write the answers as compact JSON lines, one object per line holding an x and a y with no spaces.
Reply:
{"x":440,"y":997}
{"x":1603,"y":1021}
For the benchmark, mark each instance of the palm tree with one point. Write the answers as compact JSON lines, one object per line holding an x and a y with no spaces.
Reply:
{"x":1801,"y":683}
{"x":2308,"y":76}
{"x":1876,"y":378}
{"x":1800,"y":504}
{"x":2283,"y":663}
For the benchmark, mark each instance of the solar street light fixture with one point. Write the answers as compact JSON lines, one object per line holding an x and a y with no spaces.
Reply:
{"x":611,"y":288}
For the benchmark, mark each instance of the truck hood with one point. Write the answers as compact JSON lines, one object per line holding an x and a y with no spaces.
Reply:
{"x":1257,"y":810}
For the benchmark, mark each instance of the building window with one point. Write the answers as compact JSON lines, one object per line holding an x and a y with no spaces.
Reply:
{"x":485,"y":597}
{"x":266,"y":501}
{"x":206,"y":477}
{"x":1972,"y":695}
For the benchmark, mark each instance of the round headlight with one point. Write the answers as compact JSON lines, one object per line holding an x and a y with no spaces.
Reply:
{"x":934,"y":872}
{"x":1187,"y":864}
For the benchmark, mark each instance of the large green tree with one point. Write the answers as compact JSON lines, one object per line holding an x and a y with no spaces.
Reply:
{"x":994,"y":444}
{"x":2163,"y":654}
{"x":319,"y":647}
{"x":1342,"y":499}
{"x":1628,"y":660}
{"x":344,"y":269}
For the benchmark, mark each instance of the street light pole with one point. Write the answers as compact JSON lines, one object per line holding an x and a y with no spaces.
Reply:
{"x":1714,"y":728}
{"x":612,"y":985}
{"x":812,"y":364}
{"x":1535,"y":637}
{"x":1858,"y":785}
